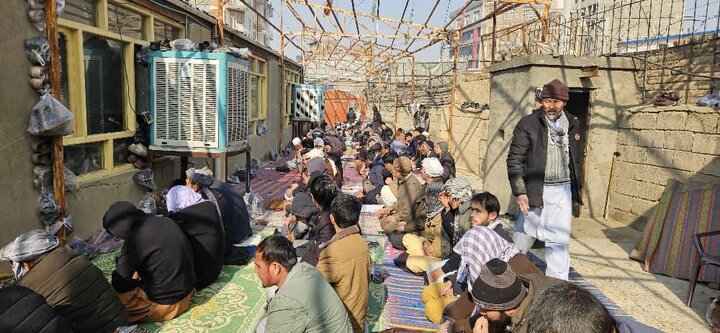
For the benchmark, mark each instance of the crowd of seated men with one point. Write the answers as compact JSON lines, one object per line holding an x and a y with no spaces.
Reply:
{"x":316,"y":268}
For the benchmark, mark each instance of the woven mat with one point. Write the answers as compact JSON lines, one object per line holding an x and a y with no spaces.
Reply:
{"x":396,"y":303}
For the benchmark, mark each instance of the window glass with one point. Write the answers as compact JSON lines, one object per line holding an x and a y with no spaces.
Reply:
{"x":254,"y":97}
{"x":165,"y":31}
{"x":124,"y":22}
{"x":62,"y":46}
{"x":104,"y":70}
{"x":120,"y":150}
{"x":81,"y":11}
{"x":85,"y":158}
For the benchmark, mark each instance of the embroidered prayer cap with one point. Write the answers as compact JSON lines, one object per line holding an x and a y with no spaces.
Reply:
{"x":459,"y":188}
{"x":497,"y":288}
{"x":432,"y":167}
{"x":319,"y":142}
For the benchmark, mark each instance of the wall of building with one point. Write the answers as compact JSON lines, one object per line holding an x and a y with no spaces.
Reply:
{"x":699,"y":58}
{"x":469,"y":132}
{"x":657,"y":144}
{"x":511,"y":98}
{"x":470,"y":128}
{"x":86,"y":206}
{"x":18,"y":99}
{"x":96,"y":193}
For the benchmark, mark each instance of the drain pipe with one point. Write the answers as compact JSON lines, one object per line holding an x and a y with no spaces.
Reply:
{"x":610,"y":182}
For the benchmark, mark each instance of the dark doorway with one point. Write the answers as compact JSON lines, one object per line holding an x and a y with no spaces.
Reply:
{"x":579,"y":106}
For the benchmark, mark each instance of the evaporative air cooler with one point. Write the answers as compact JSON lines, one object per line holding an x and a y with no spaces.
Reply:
{"x":307,"y":102}
{"x":199,"y":101}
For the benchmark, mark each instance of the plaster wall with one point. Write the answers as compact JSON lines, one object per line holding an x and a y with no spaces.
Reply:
{"x":87,"y":205}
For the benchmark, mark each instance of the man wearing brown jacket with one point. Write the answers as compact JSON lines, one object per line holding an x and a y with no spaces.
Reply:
{"x":406,"y":217}
{"x":67,"y":280}
{"x":345,"y":259}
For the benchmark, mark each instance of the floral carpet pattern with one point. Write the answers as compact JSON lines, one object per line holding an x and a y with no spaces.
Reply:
{"x":234,"y":303}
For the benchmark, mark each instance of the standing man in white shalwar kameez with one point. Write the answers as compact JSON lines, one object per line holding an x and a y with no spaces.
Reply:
{"x":546,"y":177}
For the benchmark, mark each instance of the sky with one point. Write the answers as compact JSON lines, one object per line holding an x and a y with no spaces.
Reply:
{"x":419,"y":9}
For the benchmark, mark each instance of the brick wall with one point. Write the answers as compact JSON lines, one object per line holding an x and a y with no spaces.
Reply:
{"x":696,"y":57}
{"x":657,"y":144}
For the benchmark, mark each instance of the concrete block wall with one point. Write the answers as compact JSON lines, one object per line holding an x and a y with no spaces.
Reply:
{"x":697,"y":57}
{"x":657,"y":144}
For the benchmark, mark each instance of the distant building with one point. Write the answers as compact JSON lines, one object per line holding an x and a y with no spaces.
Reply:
{"x":475,"y":41}
{"x":239,"y":17}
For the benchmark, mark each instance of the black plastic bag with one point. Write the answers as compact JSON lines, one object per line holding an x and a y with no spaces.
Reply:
{"x":47,"y":209}
{"x":50,"y":118}
{"x":37,"y":50}
{"x":80,"y":246}
{"x":145,"y":178}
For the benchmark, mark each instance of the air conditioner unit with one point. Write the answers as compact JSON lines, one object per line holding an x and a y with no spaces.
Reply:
{"x":307,"y":102}
{"x":199,"y":101}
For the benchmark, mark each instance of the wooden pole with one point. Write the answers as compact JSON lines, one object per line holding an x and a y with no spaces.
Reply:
{"x":456,"y":50}
{"x":220,"y":23}
{"x":395,"y":123}
{"x":282,"y":79}
{"x":494,"y":29}
{"x":545,"y":18}
{"x":54,"y":77}
{"x":412,"y":80}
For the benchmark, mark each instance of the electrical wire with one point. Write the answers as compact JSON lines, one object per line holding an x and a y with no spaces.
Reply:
{"x":122,"y":60}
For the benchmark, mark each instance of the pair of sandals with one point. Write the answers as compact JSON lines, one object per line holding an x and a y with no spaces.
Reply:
{"x":42,"y":152}
{"x":667,"y":99}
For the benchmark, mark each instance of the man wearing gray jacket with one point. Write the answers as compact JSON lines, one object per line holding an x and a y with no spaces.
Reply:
{"x":304,"y":301}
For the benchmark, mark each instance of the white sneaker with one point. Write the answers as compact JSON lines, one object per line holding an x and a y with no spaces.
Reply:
{"x":138,"y":149}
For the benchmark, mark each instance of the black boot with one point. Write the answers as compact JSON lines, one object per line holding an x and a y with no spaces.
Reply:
{"x":401,"y":260}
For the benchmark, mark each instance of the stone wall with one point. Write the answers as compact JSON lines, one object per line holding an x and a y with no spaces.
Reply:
{"x":698,"y":57}
{"x":657,"y":144}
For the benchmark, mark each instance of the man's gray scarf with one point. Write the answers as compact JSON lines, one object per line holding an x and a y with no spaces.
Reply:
{"x":211,"y":196}
{"x":557,"y":169}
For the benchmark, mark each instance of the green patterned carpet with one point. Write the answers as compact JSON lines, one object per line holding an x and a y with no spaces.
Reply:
{"x":376,"y":302}
{"x":234,"y":303}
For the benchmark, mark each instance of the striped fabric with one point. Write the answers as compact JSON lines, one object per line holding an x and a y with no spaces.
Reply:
{"x":269,"y":183}
{"x":666,"y":245}
{"x":404,"y":307}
